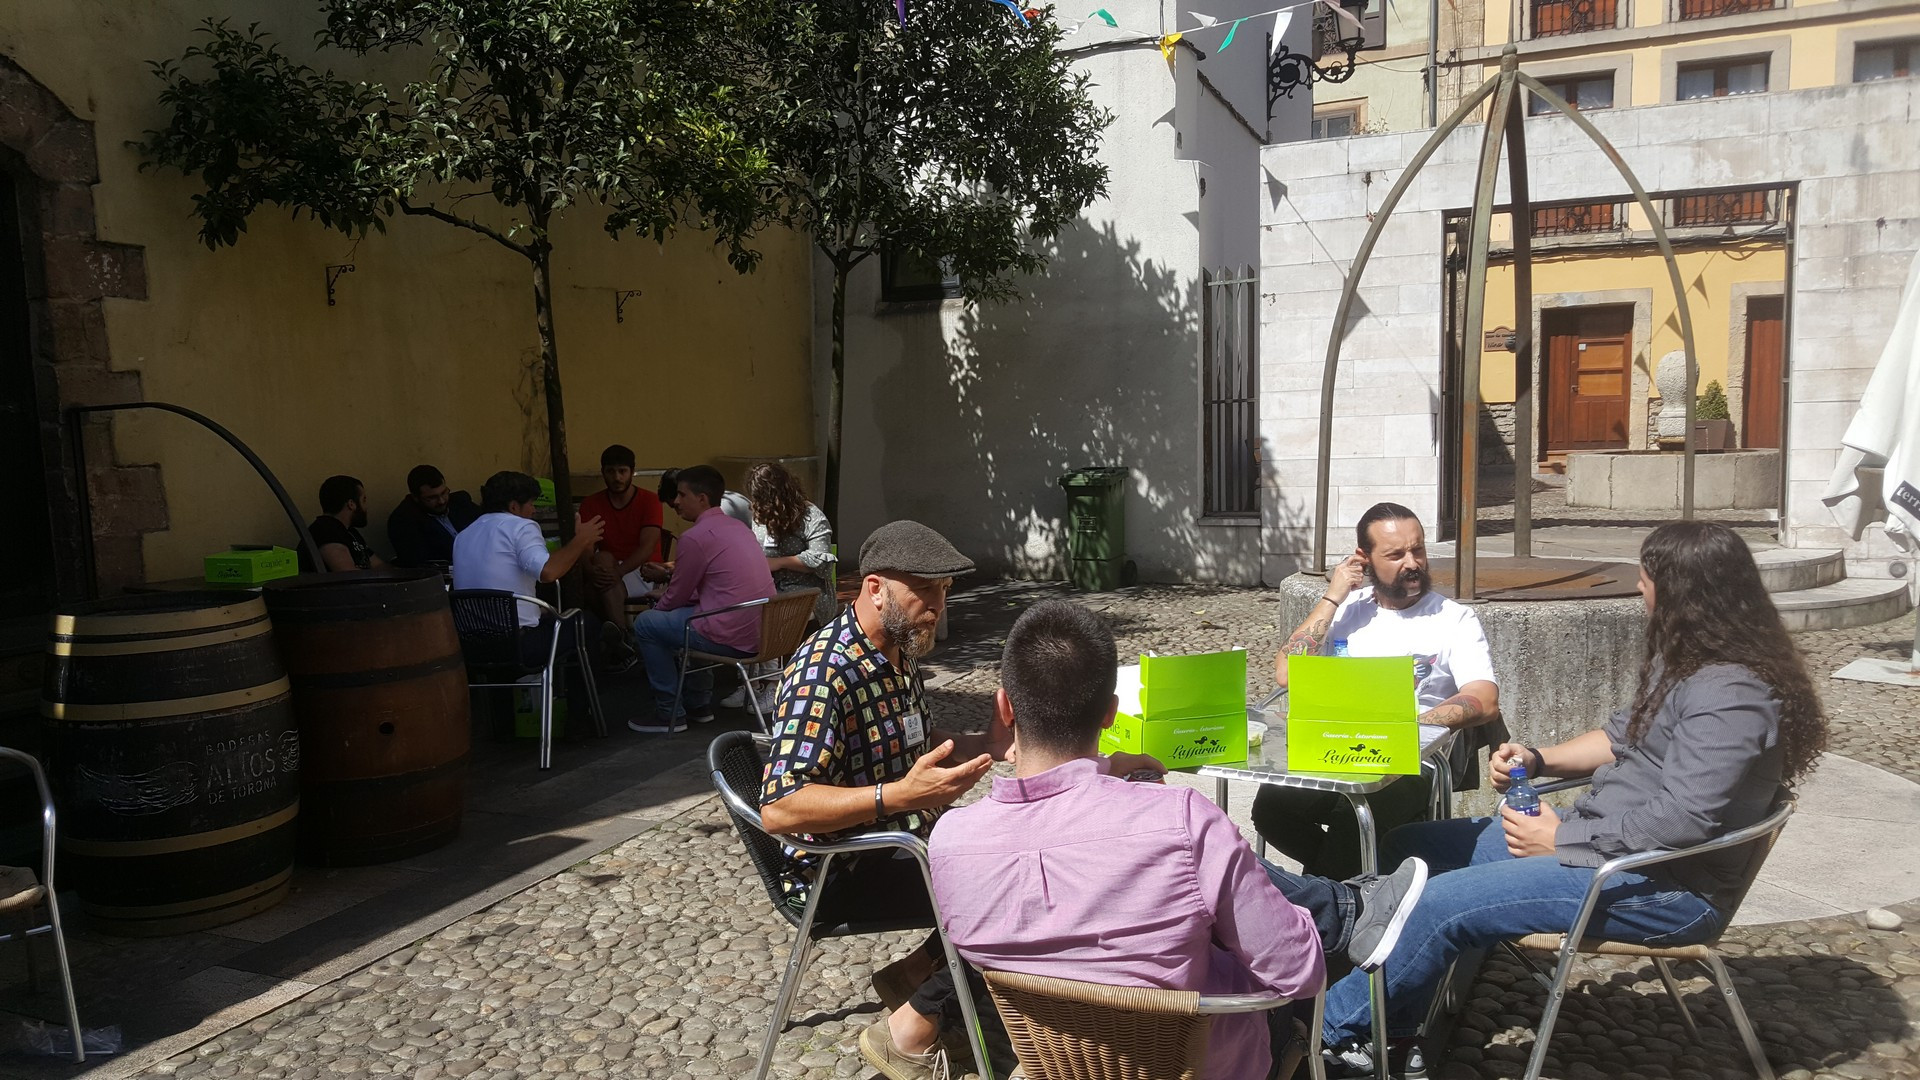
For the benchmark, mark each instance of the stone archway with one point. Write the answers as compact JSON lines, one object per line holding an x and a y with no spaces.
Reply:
{"x":49,"y":153}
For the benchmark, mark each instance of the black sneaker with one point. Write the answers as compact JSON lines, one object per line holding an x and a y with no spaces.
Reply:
{"x":1406,"y":1060}
{"x":1351,"y":1058}
{"x":1385,"y":903}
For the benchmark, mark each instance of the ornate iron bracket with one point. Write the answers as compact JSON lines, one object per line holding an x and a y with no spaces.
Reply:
{"x":620,"y":298}
{"x":1287,"y":70}
{"x":333,"y":276}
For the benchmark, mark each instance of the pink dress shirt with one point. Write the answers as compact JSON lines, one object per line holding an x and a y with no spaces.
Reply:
{"x":1079,"y":875}
{"x":718,"y":563}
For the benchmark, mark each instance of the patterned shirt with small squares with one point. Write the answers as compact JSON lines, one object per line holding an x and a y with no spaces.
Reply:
{"x":845,"y":717}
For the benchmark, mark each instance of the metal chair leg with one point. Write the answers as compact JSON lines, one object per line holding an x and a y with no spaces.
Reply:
{"x":1673,"y":992}
{"x":796,"y":967}
{"x":753,"y":698}
{"x":66,"y":977}
{"x":1316,"y":1062}
{"x":586,"y":678}
{"x":679,"y":688}
{"x":546,"y":717}
{"x":1745,"y":1026}
{"x":1556,"y":995}
{"x":963,"y":989}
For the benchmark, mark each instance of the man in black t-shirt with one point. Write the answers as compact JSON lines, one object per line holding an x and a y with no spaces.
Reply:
{"x":336,"y":532}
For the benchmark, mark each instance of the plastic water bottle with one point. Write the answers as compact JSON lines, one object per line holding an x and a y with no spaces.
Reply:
{"x":1520,"y":793}
{"x":1340,"y":647}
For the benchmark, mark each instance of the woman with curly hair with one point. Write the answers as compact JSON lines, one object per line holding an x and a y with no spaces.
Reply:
{"x":794,"y":534}
{"x":1724,"y":716}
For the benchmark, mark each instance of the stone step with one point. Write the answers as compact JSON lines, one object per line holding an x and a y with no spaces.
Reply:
{"x":1787,"y":569}
{"x":1850,"y":602}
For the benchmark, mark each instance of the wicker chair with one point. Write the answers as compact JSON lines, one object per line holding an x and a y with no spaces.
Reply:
{"x":782,"y":625}
{"x":737,"y":766}
{"x":1067,"y":1030}
{"x":1569,"y":945}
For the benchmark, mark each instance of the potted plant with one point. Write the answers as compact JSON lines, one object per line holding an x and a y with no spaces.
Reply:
{"x":1712,"y":425}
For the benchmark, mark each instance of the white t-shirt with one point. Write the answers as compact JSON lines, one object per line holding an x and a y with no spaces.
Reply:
{"x":1444,"y":638}
{"x":501,"y":551}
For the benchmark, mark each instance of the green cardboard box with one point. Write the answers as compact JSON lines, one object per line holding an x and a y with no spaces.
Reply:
{"x":252,"y":565}
{"x":526,"y":715}
{"x":1183,"y":710}
{"x":1352,"y":714}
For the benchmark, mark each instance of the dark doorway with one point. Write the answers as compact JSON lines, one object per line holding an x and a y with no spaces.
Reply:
{"x":1760,"y":425}
{"x":1588,"y":373}
{"x":26,"y":544}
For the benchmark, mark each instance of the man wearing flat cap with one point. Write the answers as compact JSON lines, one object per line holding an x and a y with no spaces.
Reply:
{"x":855,"y":748}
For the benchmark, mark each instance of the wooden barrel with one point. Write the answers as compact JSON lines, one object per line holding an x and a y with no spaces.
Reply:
{"x":174,"y":758}
{"x":380,"y":693}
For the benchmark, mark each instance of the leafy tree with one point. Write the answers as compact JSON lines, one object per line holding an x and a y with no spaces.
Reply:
{"x":534,"y":104}
{"x":962,"y":138}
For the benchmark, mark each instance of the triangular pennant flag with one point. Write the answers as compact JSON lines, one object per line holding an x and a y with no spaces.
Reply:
{"x":901,"y":7}
{"x":1167,"y":43}
{"x":1231,"y":30}
{"x":1341,"y":10}
{"x":1280,"y":23}
{"x":1010,"y":5}
{"x":1104,"y":17}
{"x":1204,"y":20}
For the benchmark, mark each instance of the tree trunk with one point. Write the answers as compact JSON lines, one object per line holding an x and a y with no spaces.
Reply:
{"x":550,"y":387}
{"x":836,"y":393}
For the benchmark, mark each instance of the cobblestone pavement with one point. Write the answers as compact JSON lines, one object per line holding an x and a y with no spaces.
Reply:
{"x":661,"y":957}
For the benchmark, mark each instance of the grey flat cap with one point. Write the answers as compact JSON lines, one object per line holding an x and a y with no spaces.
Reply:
{"x":909,"y":547}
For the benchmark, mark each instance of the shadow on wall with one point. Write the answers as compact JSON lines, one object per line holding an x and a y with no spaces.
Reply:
{"x":1097,"y":363}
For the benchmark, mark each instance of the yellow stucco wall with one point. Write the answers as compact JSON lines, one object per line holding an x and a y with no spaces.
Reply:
{"x":430,"y":352}
{"x":1710,"y":277}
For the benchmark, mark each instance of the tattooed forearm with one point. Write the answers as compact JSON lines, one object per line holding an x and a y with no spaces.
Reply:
{"x":1460,"y":710}
{"x":1307,"y":639}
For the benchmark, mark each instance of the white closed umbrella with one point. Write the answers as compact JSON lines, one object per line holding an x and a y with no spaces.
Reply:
{"x":1883,"y":444}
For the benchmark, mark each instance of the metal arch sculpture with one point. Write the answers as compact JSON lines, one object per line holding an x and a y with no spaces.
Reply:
{"x":1506,"y":121}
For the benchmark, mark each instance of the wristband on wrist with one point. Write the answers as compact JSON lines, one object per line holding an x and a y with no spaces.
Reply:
{"x":879,"y":803}
{"x":1328,"y":599}
{"x":1539,"y":762}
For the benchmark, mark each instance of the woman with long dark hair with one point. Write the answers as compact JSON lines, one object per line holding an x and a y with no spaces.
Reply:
{"x":794,"y":534}
{"x":1723,"y":718}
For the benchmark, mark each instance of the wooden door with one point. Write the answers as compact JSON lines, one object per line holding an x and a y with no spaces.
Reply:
{"x":1760,"y":426}
{"x":1588,"y":376}
{"x":26,"y":544}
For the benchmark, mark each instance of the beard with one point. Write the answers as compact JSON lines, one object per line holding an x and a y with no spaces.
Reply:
{"x":914,"y":640}
{"x":1405,"y":586}
{"x":360,"y":518}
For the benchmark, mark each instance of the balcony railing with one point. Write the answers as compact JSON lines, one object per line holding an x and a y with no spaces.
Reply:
{"x":1722,"y":209}
{"x":1708,"y":9}
{"x":1554,"y":17}
{"x":1578,"y":220}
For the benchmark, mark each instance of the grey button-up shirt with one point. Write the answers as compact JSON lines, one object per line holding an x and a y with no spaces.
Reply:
{"x":1709,"y":763}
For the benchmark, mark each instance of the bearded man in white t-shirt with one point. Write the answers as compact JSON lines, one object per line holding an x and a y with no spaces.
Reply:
{"x":1397,"y":614}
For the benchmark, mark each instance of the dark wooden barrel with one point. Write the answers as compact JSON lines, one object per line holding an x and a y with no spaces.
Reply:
{"x":380,"y":692}
{"x":174,"y":757}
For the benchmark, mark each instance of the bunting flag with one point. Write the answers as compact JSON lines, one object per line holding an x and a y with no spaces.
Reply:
{"x":1014,"y":7}
{"x":901,"y":7}
{"x":1103,"y":15}
{"x":1167,"y":43}
{"x":1231,"y":30}
{"x":1281,"y":20}
{"x":1204,"y":20}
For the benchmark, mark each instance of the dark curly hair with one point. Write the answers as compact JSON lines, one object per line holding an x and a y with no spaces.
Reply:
{"x":776,"y":498}
{"x":1711,"y":608}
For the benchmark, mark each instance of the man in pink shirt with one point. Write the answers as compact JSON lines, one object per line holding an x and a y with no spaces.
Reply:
{"x":1068,"y":872}
{"x":718,"y":563}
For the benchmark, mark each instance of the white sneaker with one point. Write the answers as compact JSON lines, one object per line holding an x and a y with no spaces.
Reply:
{"x":735,"y":700}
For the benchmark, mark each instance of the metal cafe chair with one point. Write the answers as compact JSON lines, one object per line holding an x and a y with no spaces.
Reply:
{"x":737,"y":766}
{"x":21,"y":892}
{"x":488,"y":622}
{"x":1760,"y":836}
{"x":782,"y":627}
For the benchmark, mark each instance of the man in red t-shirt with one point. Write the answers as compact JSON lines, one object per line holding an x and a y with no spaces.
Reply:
{"x":631,"y":519}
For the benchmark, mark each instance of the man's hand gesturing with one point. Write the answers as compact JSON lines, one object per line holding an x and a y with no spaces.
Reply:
{"x":1348,"y":576}
{"x":930,"y":783}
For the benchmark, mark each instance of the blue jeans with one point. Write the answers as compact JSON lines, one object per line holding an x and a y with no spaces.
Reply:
{"x":1480,"y":895}
{"x":1332,"y":906}
{"x":661,"y":635}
